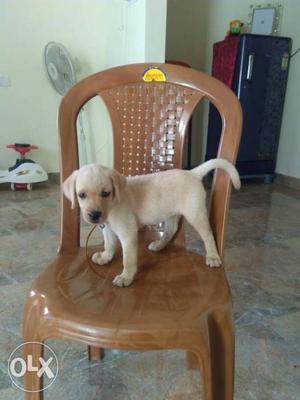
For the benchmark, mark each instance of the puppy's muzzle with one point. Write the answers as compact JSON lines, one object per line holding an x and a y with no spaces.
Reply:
{"x":94,"y":216}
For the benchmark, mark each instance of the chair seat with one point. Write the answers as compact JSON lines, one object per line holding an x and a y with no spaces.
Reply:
{"x":171,"y":293}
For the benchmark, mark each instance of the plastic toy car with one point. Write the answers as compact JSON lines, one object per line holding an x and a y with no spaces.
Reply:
{"x":25,"y":172}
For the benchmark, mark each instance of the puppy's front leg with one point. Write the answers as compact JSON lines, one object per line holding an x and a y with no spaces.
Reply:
{"x":110,"y":242}
{"x":130,"y":252}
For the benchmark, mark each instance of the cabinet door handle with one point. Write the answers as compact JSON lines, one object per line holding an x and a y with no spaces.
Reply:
{"x":250,"y":66}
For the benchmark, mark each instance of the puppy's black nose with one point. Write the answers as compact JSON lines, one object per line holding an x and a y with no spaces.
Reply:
{"x":94,"y":216}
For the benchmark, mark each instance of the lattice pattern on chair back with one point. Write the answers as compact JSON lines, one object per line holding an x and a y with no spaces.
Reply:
{"x":147,"y":125}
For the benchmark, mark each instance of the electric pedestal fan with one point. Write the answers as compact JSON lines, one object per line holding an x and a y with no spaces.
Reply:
{"x":61,"y":74}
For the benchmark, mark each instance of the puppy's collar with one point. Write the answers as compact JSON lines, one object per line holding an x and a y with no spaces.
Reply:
{"x":101,"y":226}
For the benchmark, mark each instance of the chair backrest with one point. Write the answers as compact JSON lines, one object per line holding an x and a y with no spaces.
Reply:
{"x":149,"y":121}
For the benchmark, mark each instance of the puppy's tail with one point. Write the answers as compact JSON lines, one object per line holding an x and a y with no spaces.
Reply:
{"x":204,"y":168}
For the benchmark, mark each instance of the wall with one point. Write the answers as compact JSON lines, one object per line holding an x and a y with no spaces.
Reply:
{"x":193,"y":27}
{"x":155,"y":33}
{"x":146,"y":30}
{"x":288,"y":162}
{"x":186,"y":40}
{"x":135,"y":33}
{"x":99,"y":34}
{"x":29,"y":107}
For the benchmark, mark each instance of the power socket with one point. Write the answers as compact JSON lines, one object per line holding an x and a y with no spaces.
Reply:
{"x":5,"y":80}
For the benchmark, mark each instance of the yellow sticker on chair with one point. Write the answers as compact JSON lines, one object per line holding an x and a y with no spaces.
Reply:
{"x":154,"y":74}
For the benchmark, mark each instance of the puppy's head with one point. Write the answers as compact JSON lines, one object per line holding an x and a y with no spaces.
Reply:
{"x":97,"y":189}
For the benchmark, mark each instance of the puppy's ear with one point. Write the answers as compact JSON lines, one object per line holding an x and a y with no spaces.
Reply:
{"x":119,"y":183}
{"x":69,"y":188}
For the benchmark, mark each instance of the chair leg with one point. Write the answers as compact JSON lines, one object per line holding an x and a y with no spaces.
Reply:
{"x":95,"y":353}
{"x":32,"y":383}
{"x":206,"y":375}
{"x":217,"y":362}
{"x":221,"y":336}
{"x":32,"y":324}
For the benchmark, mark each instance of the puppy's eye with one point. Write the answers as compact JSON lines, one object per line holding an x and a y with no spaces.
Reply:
{"x":82,"y":195}
{"x":105,"y":194}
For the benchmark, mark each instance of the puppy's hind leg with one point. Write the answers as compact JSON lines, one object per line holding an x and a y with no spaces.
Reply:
{"x":199,"y":221}
{"x":171,"y":226}
{"x":110,"y":242}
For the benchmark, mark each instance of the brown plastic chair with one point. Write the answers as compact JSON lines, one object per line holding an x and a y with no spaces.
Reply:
{"x":175,"y":301}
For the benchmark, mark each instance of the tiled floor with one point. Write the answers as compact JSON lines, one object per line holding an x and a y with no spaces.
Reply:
{"x":262,"y":258}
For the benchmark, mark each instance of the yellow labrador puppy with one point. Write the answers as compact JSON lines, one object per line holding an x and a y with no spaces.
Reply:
{"x":126,"y":204}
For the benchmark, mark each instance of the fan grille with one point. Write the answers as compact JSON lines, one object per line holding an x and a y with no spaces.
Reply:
{"x":59,"y":67}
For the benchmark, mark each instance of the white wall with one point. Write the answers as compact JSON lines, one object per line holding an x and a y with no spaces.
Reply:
{"x":288,"y":162}
{"x":99,"y":33}
{"x":155,"y":37}
{"x":196,"y":45}
{"x":186,"y":40}
{"x":145,"y":31}
{"x":135,"y":33}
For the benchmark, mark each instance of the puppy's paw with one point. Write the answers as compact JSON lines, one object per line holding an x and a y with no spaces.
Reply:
{"x":213,"y":260}
{"x":101,"y":258}
{"x":157,"y":245}
{"x":122,"y":280}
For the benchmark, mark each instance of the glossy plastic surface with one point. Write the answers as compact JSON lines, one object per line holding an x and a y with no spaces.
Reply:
{"x":175,"y":301}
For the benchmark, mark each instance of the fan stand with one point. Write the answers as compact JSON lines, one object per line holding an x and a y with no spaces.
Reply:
{"x":82,"y":139}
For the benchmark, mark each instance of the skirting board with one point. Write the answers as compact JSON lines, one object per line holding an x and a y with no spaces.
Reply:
{"x":288,"y":181}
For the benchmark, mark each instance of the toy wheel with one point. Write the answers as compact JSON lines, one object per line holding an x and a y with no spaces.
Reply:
{"x":29,"y":186}
{"x":12,"y":186}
